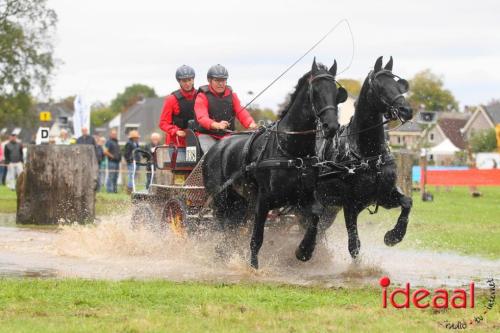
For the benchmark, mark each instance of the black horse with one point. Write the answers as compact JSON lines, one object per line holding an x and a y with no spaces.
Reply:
{"x":274,"y":167}
{"x":362,"y":170}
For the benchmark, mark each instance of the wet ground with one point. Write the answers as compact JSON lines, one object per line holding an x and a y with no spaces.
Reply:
{"x":112,"y":250}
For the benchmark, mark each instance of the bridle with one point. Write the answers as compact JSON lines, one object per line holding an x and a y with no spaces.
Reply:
{"x":329,"y":77}
{"x":317,"y":114}
{"x":391,"y":110}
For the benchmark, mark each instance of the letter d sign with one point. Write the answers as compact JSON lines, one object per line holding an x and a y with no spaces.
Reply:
{"x":42,"y":136}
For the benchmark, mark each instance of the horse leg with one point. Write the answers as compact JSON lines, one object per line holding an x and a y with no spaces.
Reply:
{"x":261,"y":211}
{"x":351,"y":223}
{"x":306,"y":248}
{"x":396,"y":235}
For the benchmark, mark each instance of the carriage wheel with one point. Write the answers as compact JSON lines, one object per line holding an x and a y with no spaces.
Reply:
{"x":143,"y":215}
{"x":174,"y":214}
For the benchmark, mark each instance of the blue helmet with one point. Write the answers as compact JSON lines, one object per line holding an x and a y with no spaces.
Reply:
{"x":184,"y":72}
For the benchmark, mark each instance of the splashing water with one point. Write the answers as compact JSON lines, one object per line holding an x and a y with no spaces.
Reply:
{"x":111,"y":249}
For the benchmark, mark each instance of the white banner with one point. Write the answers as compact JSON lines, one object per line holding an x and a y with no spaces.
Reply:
{"x":81,"y":117}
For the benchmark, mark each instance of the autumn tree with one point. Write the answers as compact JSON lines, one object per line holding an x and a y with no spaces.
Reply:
{"x":352,"y":86}
{"x":427,"y":90}
{"x":26,"y":56}
{"x":130,"y":96}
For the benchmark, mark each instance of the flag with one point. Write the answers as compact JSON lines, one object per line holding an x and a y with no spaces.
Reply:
{"x":81,"y":117}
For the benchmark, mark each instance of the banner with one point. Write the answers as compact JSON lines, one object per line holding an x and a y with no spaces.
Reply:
{"x":471,"y":177}
{"x":81,"y":117}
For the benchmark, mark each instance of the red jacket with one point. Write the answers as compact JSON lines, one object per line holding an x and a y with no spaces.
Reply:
{"x":171,"y":107}
{"x":203,"y":118}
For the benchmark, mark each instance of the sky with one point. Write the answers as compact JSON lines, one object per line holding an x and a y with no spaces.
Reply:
{"x":105,"y":46}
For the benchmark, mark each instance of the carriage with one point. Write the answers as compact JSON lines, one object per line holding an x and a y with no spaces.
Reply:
{"x":176,"y":198}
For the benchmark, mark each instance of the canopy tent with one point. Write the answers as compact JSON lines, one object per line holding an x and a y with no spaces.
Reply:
{"x":444,"y":148}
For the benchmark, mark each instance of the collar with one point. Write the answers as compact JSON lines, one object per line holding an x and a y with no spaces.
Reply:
{"x":226,"y":92}
{"x":188,"y":94}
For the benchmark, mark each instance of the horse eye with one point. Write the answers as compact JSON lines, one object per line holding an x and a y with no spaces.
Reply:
{"x":403,"y":86}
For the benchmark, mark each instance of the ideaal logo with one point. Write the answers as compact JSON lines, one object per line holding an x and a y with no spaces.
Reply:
{"x":439,"y":299}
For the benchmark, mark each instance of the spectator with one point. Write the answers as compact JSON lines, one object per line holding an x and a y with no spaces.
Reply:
{"x":101,"y":161}
{"x":132,"y":143}
{"x":85,"y":139}
{"x":112,"y":151}
{"x":14,"y":160}
{"x":63,"y":138}
{"x":3,"y":167}
{"x":150,"y":147}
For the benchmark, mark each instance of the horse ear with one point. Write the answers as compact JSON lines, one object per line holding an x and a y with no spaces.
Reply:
{"x":378,"y":65}
{"x":388,"y":66}
{"x":314,"y":68}
{"x":333,"y":69}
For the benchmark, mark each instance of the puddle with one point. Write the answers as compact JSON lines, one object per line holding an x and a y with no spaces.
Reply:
{"x":112,"y":250}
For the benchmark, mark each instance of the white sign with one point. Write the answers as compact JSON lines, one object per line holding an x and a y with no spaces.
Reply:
{"x":488,"y":160}
{"x":42,"y":136}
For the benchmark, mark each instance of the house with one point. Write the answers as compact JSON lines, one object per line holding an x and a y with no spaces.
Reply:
{"x":483,"y":118}
{"x":144,"y":116}
{"x":407,"y":135}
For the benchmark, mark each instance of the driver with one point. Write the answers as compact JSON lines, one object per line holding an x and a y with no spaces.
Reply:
{"x":215,"y":108}
{"x":178,"y":108}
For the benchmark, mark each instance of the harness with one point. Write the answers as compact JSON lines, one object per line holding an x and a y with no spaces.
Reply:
{"x":306,"y":165}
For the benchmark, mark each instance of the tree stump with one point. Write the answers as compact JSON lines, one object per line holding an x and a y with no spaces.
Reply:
{"x":57,"y":185}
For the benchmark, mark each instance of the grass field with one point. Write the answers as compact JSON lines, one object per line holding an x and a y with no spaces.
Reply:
{"x":106,"y":203}
{"x":162,"y":306}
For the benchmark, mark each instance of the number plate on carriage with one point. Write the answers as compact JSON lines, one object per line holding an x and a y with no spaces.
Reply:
{"x":190,"y":154}
{"x":179,"y":179}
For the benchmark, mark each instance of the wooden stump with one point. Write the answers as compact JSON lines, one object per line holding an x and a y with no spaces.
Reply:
{"x":57,"y":185}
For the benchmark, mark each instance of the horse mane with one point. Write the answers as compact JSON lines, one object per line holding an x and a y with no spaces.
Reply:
{"x":291,"y":97}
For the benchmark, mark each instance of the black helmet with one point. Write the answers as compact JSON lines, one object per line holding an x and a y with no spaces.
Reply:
{"x":184,"y":72}
{"x":218,"y":72}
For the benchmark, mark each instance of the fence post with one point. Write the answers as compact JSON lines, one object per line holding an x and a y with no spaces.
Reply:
{"x":404,"y":163}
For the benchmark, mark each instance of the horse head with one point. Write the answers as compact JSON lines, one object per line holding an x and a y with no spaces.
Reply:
{"x":324,"y":96}
{"x":387,"y":91}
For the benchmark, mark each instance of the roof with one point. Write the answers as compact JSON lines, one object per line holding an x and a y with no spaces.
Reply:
{"x":451,"y":128}
{"x":146,"y":114}
{"x":409,"y":126}
{"x":453,"y":115}
{"x":493,"y":111}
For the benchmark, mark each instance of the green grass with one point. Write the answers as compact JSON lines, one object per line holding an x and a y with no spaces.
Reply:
{"x":106,"y":203}
{"x":453,"y":221}
{"x":32,"y":305}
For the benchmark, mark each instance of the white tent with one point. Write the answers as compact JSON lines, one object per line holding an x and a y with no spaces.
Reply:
{"x":444,"y":148}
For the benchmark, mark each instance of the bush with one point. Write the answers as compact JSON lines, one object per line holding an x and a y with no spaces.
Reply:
{"x":483,"y":141}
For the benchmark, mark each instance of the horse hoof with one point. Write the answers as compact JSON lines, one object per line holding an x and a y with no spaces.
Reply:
{"x":254,"y":263}
{"x":303,"y":255}
{"x":392,"y":237}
